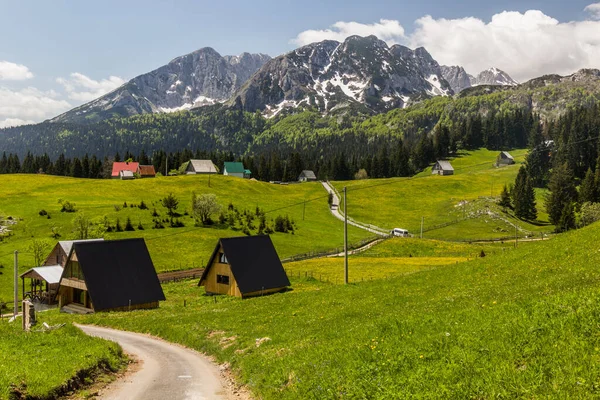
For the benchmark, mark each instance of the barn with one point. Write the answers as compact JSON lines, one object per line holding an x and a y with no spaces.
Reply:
{"x":442,"y":168}
{"x":147,"y":171}
{"x":110,"y":275}
{"x":504,"y":158}
{"x":234,"y":169}
{"x":200,"y":167}
{"x":243,"y":267}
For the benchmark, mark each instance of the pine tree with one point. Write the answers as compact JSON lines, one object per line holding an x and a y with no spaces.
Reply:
{"x":524,"y":196}
{"x":588,"y":191}
{"x":567,"y":219}
{"x":505,"y":198}
{"x":563,"y":192}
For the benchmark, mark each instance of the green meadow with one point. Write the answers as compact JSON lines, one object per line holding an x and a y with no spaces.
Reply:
{"x":468,"y":194}
{"x":24,"y":196}
{"x":519,"y":323}
{"x":41,"y":365}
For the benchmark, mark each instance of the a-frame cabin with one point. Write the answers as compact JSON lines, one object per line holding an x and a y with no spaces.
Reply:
{"x":243,"y":267}
{"x":111,"y":275}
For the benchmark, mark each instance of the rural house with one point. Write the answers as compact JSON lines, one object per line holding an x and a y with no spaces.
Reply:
{"x":307,"y":176}
{"x":442,"y":168}
{"x":243,"y":267}
{"x":146,"y":171}
{"x":118,"y":167}
{"x":504,"y":158}
{"x":111,"y":275}
{"x":200,"y":167}
{"x":235,"y":169}
{"x":126,"y":175}
{"x":60,"y":252}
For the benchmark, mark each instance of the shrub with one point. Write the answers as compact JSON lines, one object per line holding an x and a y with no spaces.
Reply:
{"x":155,"y":213}
{"x":140,"y":226}
{"x":158,"y":224}
{"x":124,"y":204}
{"x":117,"y":208}
{"x":68,"y":207}
{"x":129,"y":226}
{"x":118,"y":227}
{"x":143,"y":206}
{"x":43,"y":213}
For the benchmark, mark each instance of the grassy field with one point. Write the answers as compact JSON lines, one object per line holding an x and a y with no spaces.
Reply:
{"x":41,"y":364}
{"x":401,"y":202}
{"x":517,"y":324}
{"x":23,"y":196}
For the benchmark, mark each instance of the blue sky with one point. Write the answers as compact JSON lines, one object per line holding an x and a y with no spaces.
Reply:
{"x":54,"y":39}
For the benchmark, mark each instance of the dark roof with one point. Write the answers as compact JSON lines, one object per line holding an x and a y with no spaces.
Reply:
{"x":308,"y":174}
{"x":254,"y":263}
{"x":147,"y":170}
{"x":117,"y":271}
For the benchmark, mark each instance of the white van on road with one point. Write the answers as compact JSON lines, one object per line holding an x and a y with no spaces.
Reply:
{"x":399,"y":232}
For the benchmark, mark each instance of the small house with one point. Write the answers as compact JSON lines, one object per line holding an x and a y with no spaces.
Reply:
{"x":146,"y":171}
{"x":442,"y":168}
{"x":126,"y":175}
{"x":234,"y":169}
{"x":110,"y":275}
{"x":118,"y":167}
{"x":243,"y":267}
{"x":200,"y":167}
{"x":60,"y":252}
{"x":307,"y":176}
{"x":504,"y":158}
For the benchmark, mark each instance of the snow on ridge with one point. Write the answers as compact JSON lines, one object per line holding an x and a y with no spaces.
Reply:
{"x":186,"y":106}
{"x":434,"y":81}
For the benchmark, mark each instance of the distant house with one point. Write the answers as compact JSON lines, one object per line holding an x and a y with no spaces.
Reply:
{"x":442,"y":168}
{"x":111,"y":275}
{"x":243,"y":267}
{"x":60,"y":252}
{"x":234,"y":169}
{"x":306,"y":176}
{"x":504,"y":158}
{"x":126,"y":175}
{"x":118,"y":167}
{"x":146,"y":171}
{"x":200,"y":167}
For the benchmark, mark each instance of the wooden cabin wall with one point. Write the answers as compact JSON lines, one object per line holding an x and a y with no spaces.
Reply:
{"x":211,"y":285}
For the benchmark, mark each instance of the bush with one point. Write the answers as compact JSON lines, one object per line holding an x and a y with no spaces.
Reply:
{"x":155,"y":213}
{"x":158,"y":224}
{"x":118,"y":227}
{"x":68,"y":207}
{"x":143,"y":206}
{"x":176,"y":223}
{"x":117,"y":208}
{"x":140,"y":226}
{"x":129,"y":226}
{"x":43,"y":213}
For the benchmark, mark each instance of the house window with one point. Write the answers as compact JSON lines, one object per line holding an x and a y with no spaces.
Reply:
{"x":222,"y":258}
{"x":223,"y":279}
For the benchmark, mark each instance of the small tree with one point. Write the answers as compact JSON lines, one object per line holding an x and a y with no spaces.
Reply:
{"x":587,"y":191}
{"x":38,"y":248}
{"x":590,"y":213}
{"x":129,"y":226}
{"x":330,"y":199}
{"x":203,"y":207}
{"x":170,"y":203}
{"x":81,"y":227}
{"x":361,"y":174}
{"x":567,"y":219}
{"x":505,"y":198}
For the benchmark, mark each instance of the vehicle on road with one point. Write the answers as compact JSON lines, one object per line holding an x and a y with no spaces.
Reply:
{"x":399,"y":232}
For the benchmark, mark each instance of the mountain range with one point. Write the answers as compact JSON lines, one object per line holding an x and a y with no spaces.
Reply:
{"x":360,"y":72}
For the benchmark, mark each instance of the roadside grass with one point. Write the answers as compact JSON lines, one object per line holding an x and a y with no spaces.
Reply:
{"x":519,"y":324}
{"x":24,"y":196}
{"x":402,"y":202}
{"x":40,"y":365}
{"x":412,"y":247}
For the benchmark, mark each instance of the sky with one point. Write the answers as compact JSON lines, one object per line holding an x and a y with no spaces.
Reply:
{"x":58,"y":54}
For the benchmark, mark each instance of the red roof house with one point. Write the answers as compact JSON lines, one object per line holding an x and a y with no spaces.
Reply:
{"x":118,"y":167}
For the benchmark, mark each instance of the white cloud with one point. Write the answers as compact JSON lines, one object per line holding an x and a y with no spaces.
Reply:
{"x":82,"y":88}
{"x":14,"y":72}
{"x":29,"y":104}
{"x":10,"y":122}
{"x":388,"y":30}
{"x":526,"y":45}
{"x":594,"y":10}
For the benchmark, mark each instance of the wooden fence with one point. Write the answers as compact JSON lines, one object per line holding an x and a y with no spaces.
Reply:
{"x":173,"y":276}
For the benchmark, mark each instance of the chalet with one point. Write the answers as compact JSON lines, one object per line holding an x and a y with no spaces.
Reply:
{"x":504,"y":158}
{"x":60,"y":252}
{"x":306,"y":176}
{"x":111,"y":275}
{"x":200,"y":167}
{"x":243,"y":267}
{"x":442,"y":168}
{"x":235,"y":169}
{"x":146,"y":171}
{"x":118,"y":167}
{"x":43,"y":283}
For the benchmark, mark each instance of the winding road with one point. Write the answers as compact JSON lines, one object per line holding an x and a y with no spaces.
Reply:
{"x":167,"y":371}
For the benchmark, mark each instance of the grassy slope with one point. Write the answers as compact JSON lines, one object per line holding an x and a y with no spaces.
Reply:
{"x":23,"y":196}
{"x":521,"y":323}
{"x":401,"y":202}
{"x":42,"y":362}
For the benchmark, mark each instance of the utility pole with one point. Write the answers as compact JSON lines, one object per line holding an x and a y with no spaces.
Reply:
{"x":167,"y":166}
{"x":422,"y":222}
{"x":208,"y":180}
{"x":516,"y":238}
{"x":16,"y":282}
{"x":345,"y":238}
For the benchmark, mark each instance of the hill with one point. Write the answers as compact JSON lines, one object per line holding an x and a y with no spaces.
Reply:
{"x":517,"y":324}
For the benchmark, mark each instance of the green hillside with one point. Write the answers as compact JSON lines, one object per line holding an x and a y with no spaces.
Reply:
{"x":24,"y":196}
{"x":519,"y":324}
{"x":401,"y":202}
